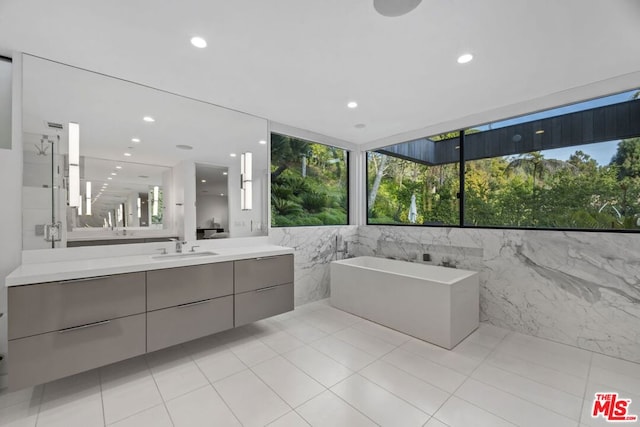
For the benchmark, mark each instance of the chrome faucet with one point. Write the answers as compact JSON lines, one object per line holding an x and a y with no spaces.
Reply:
{"x":179,"y":244}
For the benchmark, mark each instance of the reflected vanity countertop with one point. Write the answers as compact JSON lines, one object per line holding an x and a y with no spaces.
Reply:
{"x":77,"y":269}
{"x":100,"y":234}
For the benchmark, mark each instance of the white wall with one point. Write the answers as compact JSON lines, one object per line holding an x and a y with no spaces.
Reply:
{"x":11,"y":195}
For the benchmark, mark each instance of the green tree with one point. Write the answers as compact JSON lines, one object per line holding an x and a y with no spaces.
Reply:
{"x":285,"y":152}
{"x":627,"y":158}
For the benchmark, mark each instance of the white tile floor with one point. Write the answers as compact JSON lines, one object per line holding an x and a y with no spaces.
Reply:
{"x":321,"y":366}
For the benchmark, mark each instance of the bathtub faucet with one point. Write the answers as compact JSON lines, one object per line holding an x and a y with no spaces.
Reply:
{"x":448,"y":263}
{"x":345,"y":248}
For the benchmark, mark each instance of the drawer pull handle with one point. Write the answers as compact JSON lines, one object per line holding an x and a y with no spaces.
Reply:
{"x":267,"y":289}
{"x":189,"y":304}
{"x":90,"y":325}
{"x":84,"y":279}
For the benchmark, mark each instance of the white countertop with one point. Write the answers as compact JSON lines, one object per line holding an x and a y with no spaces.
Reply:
{"x":76,"y":269}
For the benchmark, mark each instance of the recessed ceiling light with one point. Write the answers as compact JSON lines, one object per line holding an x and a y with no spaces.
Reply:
{"x":464,"y":58}
{"x":184,"y":147}
{"x":204,"y":180}
{"x":148,"y":119}
{"x":352,"y":104}
{"x":113,"y":173}
{"x":136,"y":140}
{"x":199,"y":42}
{"x":393,"y":8}
{"x":118,"y":167}
{"x":224,"y":173}
{"x":232,"y":154}
{"x":222,"y":194}
{"x":262,"y":142}
{"x":109,"y":178}
{"x":360,"y":126}
{"x":143,"y":176}
{"x":127,"y":154}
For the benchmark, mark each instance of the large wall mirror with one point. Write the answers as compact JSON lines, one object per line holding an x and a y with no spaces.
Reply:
{"x":109,"y":161}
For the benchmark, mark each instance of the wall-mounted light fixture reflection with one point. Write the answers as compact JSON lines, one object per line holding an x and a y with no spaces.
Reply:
{"x":87,"y":196}
{"x":246,"y":193}
{"x":154,"y":209}
{"x":74,"y":164}
{"x":139,"y":208}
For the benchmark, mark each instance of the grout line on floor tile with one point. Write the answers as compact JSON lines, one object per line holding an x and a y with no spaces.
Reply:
{"x":214,"y":388}
{"x":356,"y":409}
{"x":586,"y":387}
{"x":104,"y":416}
{"x":146,"y":362}
{"x":44,"y":387}
{"x":467,"y":378}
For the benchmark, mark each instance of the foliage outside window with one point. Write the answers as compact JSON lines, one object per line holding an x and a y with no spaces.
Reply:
{"x":309,"y":183}
{"x":574,"y":167}
{"x":402,"y":191}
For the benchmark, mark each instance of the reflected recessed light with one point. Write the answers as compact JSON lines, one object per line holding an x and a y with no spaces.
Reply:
{"x":203,"y":180}
{"x":352,"y":104}
{"x":109,"y":178}
{"x":127,"y":154}
{"x":136,"y":140}
{"x":224,"y":173}
{"x":118,"y":167}
{"x":199,"y":42}
{"x":262,"y":142}
{"x":463,"y":59}
{"x":539,"y":132}
{"x":232,"y":154}
{"x":148,"y":119}
{"x":113,"y":173}
{"x":184,"y":147}
{"x":222,"y":194}
{"x":360,"y":126}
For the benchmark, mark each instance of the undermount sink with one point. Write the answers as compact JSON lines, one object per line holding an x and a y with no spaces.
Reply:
{"x":184,"y":255}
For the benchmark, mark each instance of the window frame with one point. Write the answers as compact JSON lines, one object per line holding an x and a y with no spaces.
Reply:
{"x":462,"y":171}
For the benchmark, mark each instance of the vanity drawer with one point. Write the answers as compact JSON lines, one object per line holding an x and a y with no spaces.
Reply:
{"x":45,"y":307}
{"x":263,"y":303}
{"x":174,"y":286}
{"x":46,"y":357}
{"x":259,"y":273}
{"x":175,"y":325}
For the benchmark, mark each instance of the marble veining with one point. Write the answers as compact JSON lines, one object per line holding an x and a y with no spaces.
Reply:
{"x":314,"y":249}
{"x":578,"y":288}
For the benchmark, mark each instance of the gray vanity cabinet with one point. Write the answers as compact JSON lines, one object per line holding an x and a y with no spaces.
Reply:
{"x":46,"y":307}
{"x":186,"y":303}
{"x":174,"y":286}
{"x":58,"y":329}
{"x":263,"y":288}
{"x":258,"y":273}
{"x":62,"y":328}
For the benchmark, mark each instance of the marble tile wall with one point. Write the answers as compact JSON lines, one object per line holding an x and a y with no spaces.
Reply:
{"x":315,"y":248}
{"x":576,"y":288}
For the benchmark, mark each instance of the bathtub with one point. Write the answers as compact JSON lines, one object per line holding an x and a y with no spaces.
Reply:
{"x":436,"y":304}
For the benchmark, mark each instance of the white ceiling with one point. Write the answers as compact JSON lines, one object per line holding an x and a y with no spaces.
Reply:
{"x":298,"y":62}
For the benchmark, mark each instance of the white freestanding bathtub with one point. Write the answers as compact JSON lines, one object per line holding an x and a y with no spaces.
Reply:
{"x":435,"y":304}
